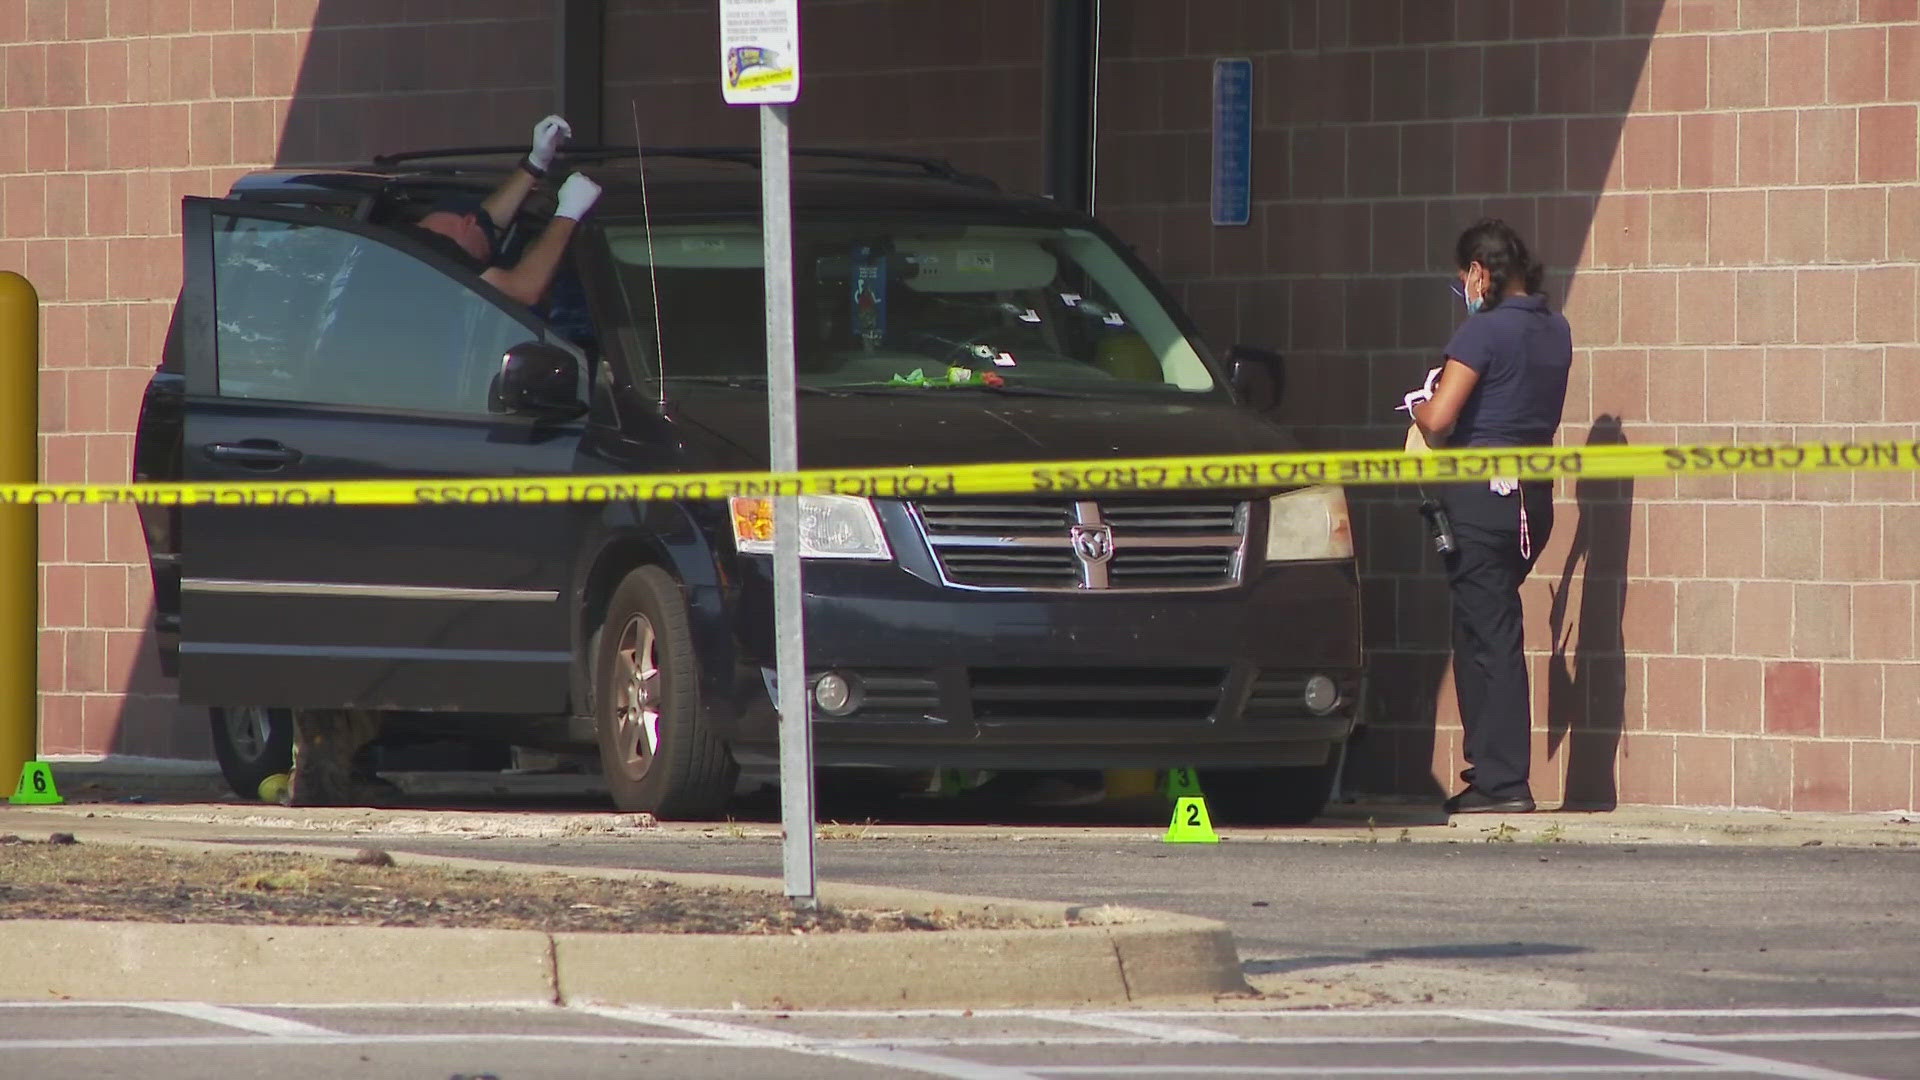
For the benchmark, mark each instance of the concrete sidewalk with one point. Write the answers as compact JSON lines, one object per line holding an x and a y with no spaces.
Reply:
{"x":1085,"y":957}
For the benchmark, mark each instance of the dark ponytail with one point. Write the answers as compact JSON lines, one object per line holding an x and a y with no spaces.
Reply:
{"x":1495,"y":245}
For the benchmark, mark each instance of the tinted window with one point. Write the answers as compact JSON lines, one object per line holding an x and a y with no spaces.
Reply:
{"x":313,"y":314}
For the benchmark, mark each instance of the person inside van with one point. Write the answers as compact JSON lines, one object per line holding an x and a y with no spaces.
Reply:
{"x":471,"y":234}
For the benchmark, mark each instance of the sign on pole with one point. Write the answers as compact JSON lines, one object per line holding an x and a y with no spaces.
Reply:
{"x":760,"y":65}
{"x":1232,"y":141}
{"x":760,"y":51}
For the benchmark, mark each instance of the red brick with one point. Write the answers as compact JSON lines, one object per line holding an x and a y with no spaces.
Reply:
{"x":1482,"y":157}
{"x":1646,"y":770}
{"x":1737,"y":71}
{"x":1649,"y":309}
{"x":1825,"y":308}
{"x":1850,"y":543}
{"x":1902,"y":718}
{"x":1797,"y":68}
{"x":1676,"y":382}
{"x":1882,"y":777}
{"x":1651,"y":147}
{"x":1735,"y":698}
{"x":232,"y":64}
{"x":1763,"y":773}
{"x":1887,"y":143}
{"x":60,"y":731}
{"x":1732,"y":238}
{"x":1675,"y":694}
{"x":1828,"y":12}
{"x":1703,"y":771}
{"x":1903,"y":63}
{"x":1883,"y":621}
{"x":1829,"y":146}
{"x":1889,"y":10}
{"x":1706,"y":308}
{"x":1647,"y":621}
{"x":1767,"y":148}
{"x":1679,"y":73}
{"x":1709,"y":150}
{"x":1852,"y":705}
{"x":1856,"y":225}
{"x":1566,"y":77}
{"x":1822,"y":621}
{"x":1733,"y":540}
{"x":1621,"y":227}
{"x":1764,"y":626}
{"x":1820,"y":776}
{"x":1857,"y":65}
{"x":1593,"y":306}
{"x":1700,"y":15}
{"x":1855,"y":385}
{"x":1796,"y":225}
{"x":1887,"y":298}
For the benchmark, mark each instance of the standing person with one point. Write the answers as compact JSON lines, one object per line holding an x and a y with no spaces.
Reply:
{"x":1503,"y":383}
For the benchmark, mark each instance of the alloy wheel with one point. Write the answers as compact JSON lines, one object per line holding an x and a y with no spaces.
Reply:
{"x":636,"y":697}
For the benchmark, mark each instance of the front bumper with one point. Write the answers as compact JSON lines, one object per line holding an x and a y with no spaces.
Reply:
{"x":972,"y":680}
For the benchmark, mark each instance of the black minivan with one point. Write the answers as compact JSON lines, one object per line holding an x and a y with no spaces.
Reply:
{"x":938,"y":320}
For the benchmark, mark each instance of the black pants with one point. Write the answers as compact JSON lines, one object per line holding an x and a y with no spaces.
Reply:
{"x":1489,"y":665}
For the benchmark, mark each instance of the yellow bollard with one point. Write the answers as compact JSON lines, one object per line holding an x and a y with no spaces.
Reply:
{"x":19,"y":525}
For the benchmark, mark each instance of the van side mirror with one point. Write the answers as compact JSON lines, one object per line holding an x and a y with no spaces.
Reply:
{"x":1258,"y":376}
{"x":537,"y":380}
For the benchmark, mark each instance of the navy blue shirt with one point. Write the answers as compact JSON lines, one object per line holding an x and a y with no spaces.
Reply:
{"x":1521,"y":352}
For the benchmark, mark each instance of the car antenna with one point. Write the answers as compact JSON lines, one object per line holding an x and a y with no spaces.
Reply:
{"x":653,"y":269}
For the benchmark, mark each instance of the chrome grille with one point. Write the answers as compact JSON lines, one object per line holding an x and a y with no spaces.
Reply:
{"x":1114,"y":545}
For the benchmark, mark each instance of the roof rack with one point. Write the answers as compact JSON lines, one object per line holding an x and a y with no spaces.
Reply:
{"x":744,"y":155}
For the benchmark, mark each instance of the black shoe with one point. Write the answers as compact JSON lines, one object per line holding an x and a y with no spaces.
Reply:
{"x":1475,"y":801}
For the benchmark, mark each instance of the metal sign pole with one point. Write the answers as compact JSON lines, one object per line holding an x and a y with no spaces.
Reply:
{"x":790,"y":672}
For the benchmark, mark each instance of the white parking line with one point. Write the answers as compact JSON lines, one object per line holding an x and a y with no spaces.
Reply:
{"x":1182,"y":1033}
{"x":259,"y":1023}
{"x":1368,"y":1069}
{"x":760,"y":1038}
{"x":1665,"y":1045}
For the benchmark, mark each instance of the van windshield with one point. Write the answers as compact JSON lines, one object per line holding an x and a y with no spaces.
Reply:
{"x":906,"y":306}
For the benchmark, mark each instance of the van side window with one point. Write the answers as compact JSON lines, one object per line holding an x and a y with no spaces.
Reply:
{"x":324,"y":316}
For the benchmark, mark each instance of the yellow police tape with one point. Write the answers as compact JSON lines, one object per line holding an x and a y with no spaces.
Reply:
{"x":1069,"y":478}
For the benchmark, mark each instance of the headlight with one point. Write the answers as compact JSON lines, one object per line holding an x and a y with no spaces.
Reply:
{"x":831,"y":527}
{"x":1310,"y":523}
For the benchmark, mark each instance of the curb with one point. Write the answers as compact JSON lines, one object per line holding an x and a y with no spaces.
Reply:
{"x":1092,"y":957}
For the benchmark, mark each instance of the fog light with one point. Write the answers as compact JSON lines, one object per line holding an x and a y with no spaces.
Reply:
{"x":1321,"y":695}
{"x":836,"y":694}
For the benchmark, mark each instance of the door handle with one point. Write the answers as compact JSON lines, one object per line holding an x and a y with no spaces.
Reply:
{"x":252,"y":454}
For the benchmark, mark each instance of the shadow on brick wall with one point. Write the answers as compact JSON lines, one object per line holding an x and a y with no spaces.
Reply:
{"x":1586,"y":672}
{"x":1525,"y":130}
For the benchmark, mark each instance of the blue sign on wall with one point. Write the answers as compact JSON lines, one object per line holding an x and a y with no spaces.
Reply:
{"x":1232,"y":141}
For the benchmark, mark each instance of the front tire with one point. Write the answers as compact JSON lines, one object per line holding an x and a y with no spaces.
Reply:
{"x":1288,"y":795}
{"x":657,"y":752}
{"x":252,"y":743}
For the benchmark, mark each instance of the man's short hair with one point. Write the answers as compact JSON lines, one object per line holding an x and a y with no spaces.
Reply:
{"x":473,"y":204}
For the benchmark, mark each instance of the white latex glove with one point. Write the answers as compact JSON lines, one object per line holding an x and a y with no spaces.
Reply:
{"x":577,"y":196}
{"x":548,"y":134}
{"x":1420,"y":396}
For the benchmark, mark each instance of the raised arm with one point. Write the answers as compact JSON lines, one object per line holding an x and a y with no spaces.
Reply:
{"x":505,"y":201}
{"x":527,"y":280}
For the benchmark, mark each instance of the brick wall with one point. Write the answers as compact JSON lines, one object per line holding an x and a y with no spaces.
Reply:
{"x":114,"y":110}
{"x":1725,"y":192}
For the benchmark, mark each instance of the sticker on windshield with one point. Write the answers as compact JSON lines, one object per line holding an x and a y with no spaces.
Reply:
{"x":974,"y":260}
{"x":711,"y":245}
{"x":869,"y":284}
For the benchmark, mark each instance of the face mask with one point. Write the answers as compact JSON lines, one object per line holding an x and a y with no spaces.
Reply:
{"x":1473,"y":304}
